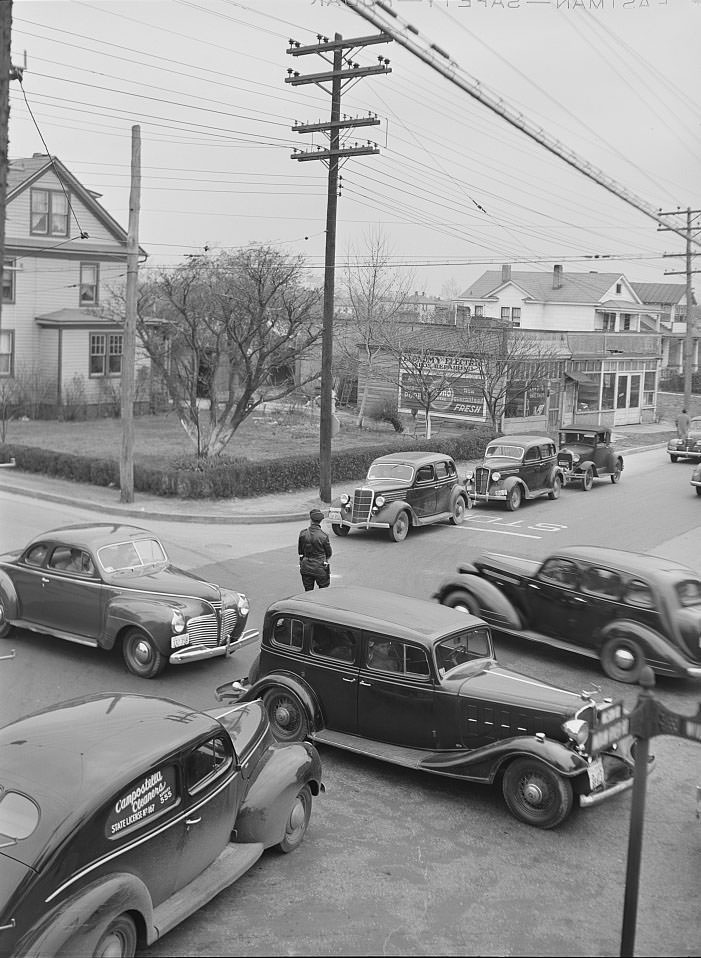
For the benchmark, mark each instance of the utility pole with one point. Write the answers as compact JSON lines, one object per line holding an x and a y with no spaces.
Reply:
{"x":126,"y":462}
{"x":337,"y":52}
{"x":7,"y":73}
{"x":689,"y":337}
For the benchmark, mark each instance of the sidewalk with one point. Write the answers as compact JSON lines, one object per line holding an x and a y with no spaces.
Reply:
{"x":278,"y":507}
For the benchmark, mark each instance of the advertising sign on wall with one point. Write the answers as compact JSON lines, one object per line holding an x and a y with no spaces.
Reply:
{"x":455,"y":386}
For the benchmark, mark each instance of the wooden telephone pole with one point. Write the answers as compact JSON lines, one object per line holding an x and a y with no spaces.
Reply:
{"x":690,"y":234}
{"x":6,"y":74}
{"x":343,"y":72}
{"x":126,"y":462}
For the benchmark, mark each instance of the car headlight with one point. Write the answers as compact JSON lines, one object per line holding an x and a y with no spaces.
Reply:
{"x":380,"y":501}
{"x":469,"y":476}
{"x":177,"y":622}
{"x":243,"y":604}
{"x":496,"y":476}
{"x":345,"y":498}
{"x":674,"y":443}
{"x":577,"y":730}
{"x":576,"y":458}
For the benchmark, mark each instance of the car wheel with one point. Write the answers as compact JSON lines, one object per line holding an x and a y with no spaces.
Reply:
{"x":141,"y":656}
{"x":297,"y":823}
{"x":616,"y":474}
{"x":288,"y":719}
{"x":622,"y":659}
{"x":588,"y":480}
{"x":118,"y":940}
{"x":462,"y":601}
{"x":400,"y":527}
{"x":5,"y":626}
{"x":340,"y":530}
{"x":535,"y":794}
{"x":673,"y":458}
{"x":459,"y":508}
{"x":513,"y":499}
{"x":555,"y":491}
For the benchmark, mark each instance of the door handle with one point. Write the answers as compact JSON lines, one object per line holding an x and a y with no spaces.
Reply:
{"x":532,"y":585}
{"x":348,"y":680}
{"x":44,"y":580}
{"x":189,"y":822}
{"x":368,"y":684}
{"x":576,"y":598}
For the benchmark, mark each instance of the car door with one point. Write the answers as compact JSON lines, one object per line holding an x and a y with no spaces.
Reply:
{"x":396,"y":693}
{"x":532,"y":468}
{"x":331,"y":669}
{"x":553,"y":596}
{"x":445,"y":481}
{"x":422,"y":496}
{"x":548,"y":458}
{"x":73,"y":593}
{"x":212,"y":791}
{"x":601,"y":596}
{"x":30,"y":583}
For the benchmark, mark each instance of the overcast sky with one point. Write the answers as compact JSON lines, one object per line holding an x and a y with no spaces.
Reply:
{"x":455,"y":189}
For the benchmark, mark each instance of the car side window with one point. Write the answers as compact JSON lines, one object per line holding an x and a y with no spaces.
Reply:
{"x":638,"y":593}
{"x":599,"y":581}
{"x":36,"y":555}
{"x":547,"y":451}
{"x":441,"y":470}
{"x":207,"y":760}
{"x":560,"y":572}
{"x":424,"y":474}
{"x":416,"y":661}
{"x":383,"y":654}
{"x":689,"y":592}
{"x":452,"y":468}
{"x":334,"y":642}
{"x":288,"y":632}
{"x":532,"y":454}
{"x":66,"y":559}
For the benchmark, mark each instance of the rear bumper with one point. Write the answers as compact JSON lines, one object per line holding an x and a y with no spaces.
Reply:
{"x":195,"y":653}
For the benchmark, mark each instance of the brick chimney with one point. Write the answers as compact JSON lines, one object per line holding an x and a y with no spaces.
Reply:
{"x":557,"y":277}
{"x":505,"y":273}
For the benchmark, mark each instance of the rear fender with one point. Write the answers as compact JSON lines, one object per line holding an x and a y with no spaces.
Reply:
{"x":75,"y":925}
{"x":273,"y":787}
{"x":285,"y":680}
{"x":9,"y":596}
{"x":494,"y":606}
{"x":654,"y":646}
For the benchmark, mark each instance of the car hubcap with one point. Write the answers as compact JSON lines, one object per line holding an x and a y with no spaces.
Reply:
{"x":533,"y":793}
{"x":112,"y":947}
{"x":142,"y":652}
{"x":297,"y":816}
{"x":624,"y":659}
{"x":283,"y":716}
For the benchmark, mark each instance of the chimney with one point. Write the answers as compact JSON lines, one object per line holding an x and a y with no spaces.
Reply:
{"x":505,"y":273}
{"x":557,"y":277}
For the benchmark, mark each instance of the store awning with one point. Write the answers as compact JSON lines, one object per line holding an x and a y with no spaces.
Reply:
{"x":579,"y":377}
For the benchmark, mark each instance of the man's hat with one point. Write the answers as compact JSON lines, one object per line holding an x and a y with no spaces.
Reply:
{"x":316,"y":515}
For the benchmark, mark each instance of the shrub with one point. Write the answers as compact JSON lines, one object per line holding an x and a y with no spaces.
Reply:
{"x":386,"y":411}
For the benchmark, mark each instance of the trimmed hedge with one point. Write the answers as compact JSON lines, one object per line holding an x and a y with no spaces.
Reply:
{"x":225,"y":479}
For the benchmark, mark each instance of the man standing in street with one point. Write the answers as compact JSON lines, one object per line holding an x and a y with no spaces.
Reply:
{"x":683,"y":421}
{"x":314,"y":551}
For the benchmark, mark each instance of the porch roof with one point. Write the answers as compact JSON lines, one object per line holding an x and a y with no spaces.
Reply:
{"x":75,"y":318}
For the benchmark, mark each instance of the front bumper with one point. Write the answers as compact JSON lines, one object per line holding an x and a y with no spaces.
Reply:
{"x":498,"y":495}
{"x":336,"y":518}
{"x":194,"y":653}
{"x":619,"y":768}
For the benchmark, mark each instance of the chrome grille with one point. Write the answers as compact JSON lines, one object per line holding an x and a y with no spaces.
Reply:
{"x":362,"y":505}
{"x":230,"y":619}
{"x":481,"y":481}
{"x":564,"y":459}
{"x":204,"y":630}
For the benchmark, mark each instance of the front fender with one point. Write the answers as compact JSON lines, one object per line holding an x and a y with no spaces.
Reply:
{"x":74,"y":926}
{"x":8,"y":594}
{"x":654,"y":646}
{"x":484,"y":764}
{"x":390,"y":512}
{"x":494,"y":607}
{"x":151,"y":616}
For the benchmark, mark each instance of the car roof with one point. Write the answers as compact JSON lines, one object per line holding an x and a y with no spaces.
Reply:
{"x":93,"y":535}
{"x":406,"y":617}
{"x":413,"y":458}
{"x":520,"y":440}
{"x":630,"y":562}
{"x":73,"y":757}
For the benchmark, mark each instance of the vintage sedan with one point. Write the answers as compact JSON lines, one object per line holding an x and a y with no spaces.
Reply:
{"x":108,"y":585}
{"x":696,"y":479}
{"x":689,"y":448}
{"x":515,"y":468}
{"x":121,"y":815}
{"x":622,"y":608}
{"x":402,"y":490}
{"x":588,"y":454}
{"x":405,"y":681}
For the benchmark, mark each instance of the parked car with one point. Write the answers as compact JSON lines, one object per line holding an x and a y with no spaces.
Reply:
{"x":515,"y":468}
{"x":402,"y":490}
{"x":121,"y":815}
{"x":623,"y":608}
{"x":106,"y":585}
{"x":588,"y":454}
{"x":689,"y":448}
{"x":696,"y":479}
{"x":405,"y":681}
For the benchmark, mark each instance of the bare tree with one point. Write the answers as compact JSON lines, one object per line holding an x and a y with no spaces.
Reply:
{"x":376,"y":293}
{"x":218,"y":329}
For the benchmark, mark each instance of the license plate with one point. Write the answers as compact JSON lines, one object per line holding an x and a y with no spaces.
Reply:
{"x":177,"y":641}
{"x":596,"y":773}
{"x":334,"y":515}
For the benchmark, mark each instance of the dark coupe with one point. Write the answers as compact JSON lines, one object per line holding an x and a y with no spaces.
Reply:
{"x":588,"y":454}
{"x":108,"y":585}
{"x":515,"y":468}
{"x":405,"y":681}
{"x":121,"y":815}
{"x":623,"y":608}
{"x":689,"y":448}
{"x":402,"y":490}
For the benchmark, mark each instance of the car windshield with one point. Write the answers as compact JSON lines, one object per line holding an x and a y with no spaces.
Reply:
{"x":695,"y":425}
{"x":123,"y":556}
{"x":391,"y":470}
{"x":566,"y":437}
{"x":464,"y":647}
{"x":504,"y":451}
{"x":689,"y":592}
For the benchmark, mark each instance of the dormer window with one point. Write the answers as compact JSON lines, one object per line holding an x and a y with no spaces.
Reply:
{"x":49,"y":213}
{"x":619,"y":288}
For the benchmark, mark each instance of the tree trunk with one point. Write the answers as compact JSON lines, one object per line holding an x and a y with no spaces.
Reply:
{"x":363,"y":401}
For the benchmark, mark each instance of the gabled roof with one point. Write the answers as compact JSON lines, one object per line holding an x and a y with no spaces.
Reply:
{"x":574,"y":288}
{"x":667,"y":294}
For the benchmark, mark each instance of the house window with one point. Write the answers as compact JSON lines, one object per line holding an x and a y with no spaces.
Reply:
{"x":626,"y":319}
{"x":7,"y":349}
{"x":106,"y":354}
{"x":609,"y":322}
{"x":649,"y":389}
{"x":49,"y":213}
{"x":619,"y":287}
{"x":516,"y":316}
{"x":505,"y":312}
{"x":89,"y":277}
{"x":479,"y":310}
{"x":8,"y":281}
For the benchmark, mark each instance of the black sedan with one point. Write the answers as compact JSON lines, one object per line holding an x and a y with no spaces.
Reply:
{"x":121,"y":815}
{"x":623,"y":608}
{"x":404,"y":681}
{"x":112,"y":586}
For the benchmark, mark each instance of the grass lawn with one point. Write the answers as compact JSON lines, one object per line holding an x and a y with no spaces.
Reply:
{"x":159,"y":439}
